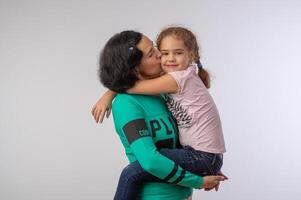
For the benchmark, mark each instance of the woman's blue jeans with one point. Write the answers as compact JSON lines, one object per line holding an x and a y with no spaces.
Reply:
{"x":133,"y":176}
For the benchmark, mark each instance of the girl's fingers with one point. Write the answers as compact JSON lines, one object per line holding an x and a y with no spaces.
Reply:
{"x":101,"y":115}
{"x":97,"y":114}
{"x":108,"y":112}
{"x":93,"y":110}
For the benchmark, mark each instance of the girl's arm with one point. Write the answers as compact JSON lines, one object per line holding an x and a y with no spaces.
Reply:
{"x":156,"y":86}
{"x":163,"y":84}
{"x":103,"y":106}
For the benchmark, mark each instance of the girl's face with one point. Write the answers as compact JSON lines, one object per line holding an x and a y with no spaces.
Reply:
{"x":150,"y":66}
{"x":174,"y":54}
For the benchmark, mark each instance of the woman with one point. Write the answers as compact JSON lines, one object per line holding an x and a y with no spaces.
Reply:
{"x":143,"y":123}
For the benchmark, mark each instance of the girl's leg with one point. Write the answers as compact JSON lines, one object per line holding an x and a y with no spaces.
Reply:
{"x":197,"y":162}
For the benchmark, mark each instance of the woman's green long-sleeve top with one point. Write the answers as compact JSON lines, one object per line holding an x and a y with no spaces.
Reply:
{"x":145,"y":126}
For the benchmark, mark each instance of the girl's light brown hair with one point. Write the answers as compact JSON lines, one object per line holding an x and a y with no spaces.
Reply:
{"x":190,"y":43}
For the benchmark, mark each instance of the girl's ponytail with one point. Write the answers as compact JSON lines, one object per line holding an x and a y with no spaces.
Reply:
{"x":203,"y":74}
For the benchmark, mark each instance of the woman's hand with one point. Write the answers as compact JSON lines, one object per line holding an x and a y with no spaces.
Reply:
{"x":211,"y":182}
{"x":103,"y":106}
{"x":220,"y":173}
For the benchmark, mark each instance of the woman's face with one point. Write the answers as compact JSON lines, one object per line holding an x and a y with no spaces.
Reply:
{"x":150,"y":66}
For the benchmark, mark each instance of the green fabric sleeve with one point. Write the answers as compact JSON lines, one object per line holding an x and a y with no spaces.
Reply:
{"x":130,"y":123}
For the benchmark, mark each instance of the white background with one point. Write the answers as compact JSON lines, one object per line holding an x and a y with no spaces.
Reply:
{"x":50,"y":147}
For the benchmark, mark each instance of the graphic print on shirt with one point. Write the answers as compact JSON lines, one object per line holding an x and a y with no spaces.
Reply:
{"x":184,"y":120}
{"x":137,"y":129}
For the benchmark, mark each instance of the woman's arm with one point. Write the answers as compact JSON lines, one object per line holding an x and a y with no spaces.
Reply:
{"x":103,"y":106}
{"x":162,"y":84}
{"x":131,"y":126}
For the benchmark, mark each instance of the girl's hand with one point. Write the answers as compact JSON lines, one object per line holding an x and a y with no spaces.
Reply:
{"x":103,"y":106}
{"x":211,"y":182}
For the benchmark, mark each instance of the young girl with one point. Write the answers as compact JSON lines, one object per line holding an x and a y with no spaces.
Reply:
{"x":184,"y":85}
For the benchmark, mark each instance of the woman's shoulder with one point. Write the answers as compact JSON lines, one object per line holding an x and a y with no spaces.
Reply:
{"x":136,"y":101}
{"x":125,"y":99}
{"x":122,"y":99}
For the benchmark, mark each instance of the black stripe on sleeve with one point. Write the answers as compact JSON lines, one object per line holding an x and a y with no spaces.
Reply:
{"x":172,"y":173}
{"x":180,"y":178}
{"x":135,"y":129}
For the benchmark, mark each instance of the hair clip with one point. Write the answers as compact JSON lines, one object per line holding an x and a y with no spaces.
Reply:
{"x":200,"y":66}
{"x":131,"y":48}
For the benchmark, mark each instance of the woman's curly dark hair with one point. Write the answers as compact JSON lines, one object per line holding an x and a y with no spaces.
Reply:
{"x":118,"y":60}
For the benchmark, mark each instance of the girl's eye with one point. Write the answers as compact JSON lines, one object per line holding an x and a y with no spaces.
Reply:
{"x":178,"y":53}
